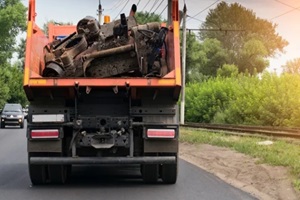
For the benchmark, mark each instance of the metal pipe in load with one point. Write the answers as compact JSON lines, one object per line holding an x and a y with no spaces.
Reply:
{"x":109,"y":52}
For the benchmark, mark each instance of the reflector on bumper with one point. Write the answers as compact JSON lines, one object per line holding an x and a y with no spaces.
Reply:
{"x":38,"y":134}
{"x":160,"y":133}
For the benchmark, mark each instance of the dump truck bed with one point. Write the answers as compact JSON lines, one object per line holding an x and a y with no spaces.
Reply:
{"x":34,"y":63}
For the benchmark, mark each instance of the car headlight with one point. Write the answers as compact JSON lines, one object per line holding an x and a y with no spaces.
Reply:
{"x":3,"y":116}
{"x":20,"y":116}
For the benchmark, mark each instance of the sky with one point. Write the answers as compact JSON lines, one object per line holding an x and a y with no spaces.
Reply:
{"x":285,"y":13}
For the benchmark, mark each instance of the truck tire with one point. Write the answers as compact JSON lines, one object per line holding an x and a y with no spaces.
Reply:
{"x":37,"y":173}
{"x":150,"y":173}
{"x":169,"y":172}
{"x":58,"y":174}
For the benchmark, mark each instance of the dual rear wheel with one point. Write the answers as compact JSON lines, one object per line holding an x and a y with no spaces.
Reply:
{"x":42,"y":174}
{"x":167,"y":172}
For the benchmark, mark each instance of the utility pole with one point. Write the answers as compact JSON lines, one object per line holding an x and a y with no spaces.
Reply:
{"x":183,"y":68}
{"x":100,"y":12}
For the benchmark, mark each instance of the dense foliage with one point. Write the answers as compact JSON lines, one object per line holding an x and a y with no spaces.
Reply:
{"x":234,"y":35}
{"x":11,"y":85}
{"x":146,"y":17}
{"x":267,"y":100}
{"x":225,"y":71}
{"x":12,"y":23}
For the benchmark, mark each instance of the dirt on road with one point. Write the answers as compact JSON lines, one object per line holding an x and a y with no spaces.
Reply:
{"x":242,"y":171}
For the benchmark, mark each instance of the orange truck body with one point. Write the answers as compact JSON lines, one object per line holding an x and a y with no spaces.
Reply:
{"x":88,"y":120}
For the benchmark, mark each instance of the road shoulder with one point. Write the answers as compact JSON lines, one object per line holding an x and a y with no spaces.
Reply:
{"x":241,"y":171}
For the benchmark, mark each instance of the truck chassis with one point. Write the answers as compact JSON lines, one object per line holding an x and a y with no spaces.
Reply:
{"x":103,"y":127}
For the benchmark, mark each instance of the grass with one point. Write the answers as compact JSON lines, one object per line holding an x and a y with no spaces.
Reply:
{"x":280,"y":153}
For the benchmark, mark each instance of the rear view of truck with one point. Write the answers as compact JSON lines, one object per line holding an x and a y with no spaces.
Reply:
{"x":103,"y":94}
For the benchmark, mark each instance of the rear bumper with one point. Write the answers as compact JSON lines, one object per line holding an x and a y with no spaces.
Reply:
{"x":102,"y":160}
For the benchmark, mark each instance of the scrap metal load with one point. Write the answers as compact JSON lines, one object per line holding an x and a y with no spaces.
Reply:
{"x":119,"y":48}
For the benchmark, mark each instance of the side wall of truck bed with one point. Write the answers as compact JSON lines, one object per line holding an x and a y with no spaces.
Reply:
{"x":34,"y":63}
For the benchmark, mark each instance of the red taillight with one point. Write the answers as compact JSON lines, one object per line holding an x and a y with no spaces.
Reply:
{"x":37,"y":134}
{"x":161,"y":133}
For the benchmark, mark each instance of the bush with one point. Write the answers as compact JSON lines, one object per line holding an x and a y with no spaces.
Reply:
{"x":206,"y":99}
{"x":268,"y":100}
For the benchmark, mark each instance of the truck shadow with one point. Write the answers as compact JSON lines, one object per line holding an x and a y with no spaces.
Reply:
{"x":105,"y":175}
{"x":108,"y":176}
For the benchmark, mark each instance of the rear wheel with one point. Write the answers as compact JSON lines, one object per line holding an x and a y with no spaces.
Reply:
{"x":58,"y":174}
{"x":169,"y":172}
{"x":150,"y":173}
{"x":37,"y":173}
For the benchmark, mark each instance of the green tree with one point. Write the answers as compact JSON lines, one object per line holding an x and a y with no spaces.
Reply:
{"x":146,"y":17}
{"x":292,"y":66}
{"x":253,"y":57}
{"x":12,"y":23}
{"x":17,"y":94}
{"x":194,"y":58}
{"x":4,"y":86}
{"x":228,"y":71}
{"x":248,"y":41}
{"x":203,"y":59}
{"x":214,"y":56}
{"x":11,"y":85}
{"x":21,"y":53}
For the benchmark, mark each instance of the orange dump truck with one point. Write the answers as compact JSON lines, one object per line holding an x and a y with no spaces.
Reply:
{"x":103,"y":94}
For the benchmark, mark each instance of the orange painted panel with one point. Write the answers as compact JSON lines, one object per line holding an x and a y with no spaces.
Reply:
{"x":57,"y":30}
{"x":34,"y":61}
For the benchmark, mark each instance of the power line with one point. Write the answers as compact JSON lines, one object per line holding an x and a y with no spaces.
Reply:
{"x":138,"y":3}
{"x":116,"y":5}
{"x":146,"y":5}
{"x":163,"y":10}
{"x":122,"y":9}
{"x":215,"y":29}
{"x":158,"y":6}
{"x":204,"y":9}
{"x":285,"y":13}
{"x":195,"y":18}
{"x":156,"y":1}
{"x":287,"y":4}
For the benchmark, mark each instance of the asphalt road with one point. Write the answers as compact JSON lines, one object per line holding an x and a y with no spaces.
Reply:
{"x":99,"y":183}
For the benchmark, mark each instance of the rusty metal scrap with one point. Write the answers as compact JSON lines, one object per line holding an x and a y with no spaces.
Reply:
{"x":60,"y":61}
{"x":108,"y":52}
{"x":90,"y":27}
{"x":119,"y":48}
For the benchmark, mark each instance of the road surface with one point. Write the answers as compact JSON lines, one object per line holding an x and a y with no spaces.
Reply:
{"x":99,"y":182}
